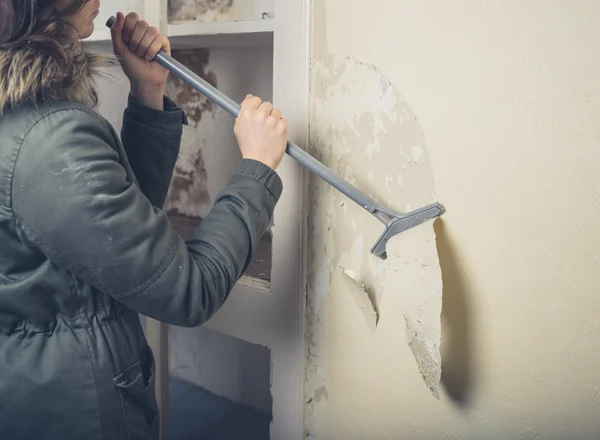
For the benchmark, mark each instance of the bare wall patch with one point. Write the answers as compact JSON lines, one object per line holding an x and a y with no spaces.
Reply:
{"x":188,"y":195}
{"x":361,"y":127}
{"x":364,"y":300}
{"x":192,"y":102}
{"x":201,"y":10}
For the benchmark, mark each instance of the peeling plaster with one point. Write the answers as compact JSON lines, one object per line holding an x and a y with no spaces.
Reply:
{"x":188,"y":195}
{"x":364,"y":300}
{"x":201,"y":10}
{"x":363,"y":129}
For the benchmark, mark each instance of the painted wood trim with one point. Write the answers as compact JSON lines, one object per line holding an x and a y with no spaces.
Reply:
{"x":290,"y":93}
{"x":196,"y":28}
{"x":163,"y":19}
{"x":238,"y":41}
{"x":152,"y":12}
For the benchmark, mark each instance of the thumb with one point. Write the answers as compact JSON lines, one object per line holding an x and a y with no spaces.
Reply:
{"x":116,"y":32}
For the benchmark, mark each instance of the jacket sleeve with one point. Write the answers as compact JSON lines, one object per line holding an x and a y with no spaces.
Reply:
{"x":73,"y":200}
{"x":152,"y":139}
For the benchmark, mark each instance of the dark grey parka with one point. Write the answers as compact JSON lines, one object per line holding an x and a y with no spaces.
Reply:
{"x":85,"y":247}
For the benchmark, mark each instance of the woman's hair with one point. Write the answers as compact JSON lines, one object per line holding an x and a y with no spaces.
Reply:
{"x":36,"y":20}
{"x":41,"y":56}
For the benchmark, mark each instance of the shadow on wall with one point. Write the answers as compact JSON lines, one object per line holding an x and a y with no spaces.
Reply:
{"x":458,"y":372}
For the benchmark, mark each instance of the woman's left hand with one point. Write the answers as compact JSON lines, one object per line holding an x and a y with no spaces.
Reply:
{"x":136,"y":43}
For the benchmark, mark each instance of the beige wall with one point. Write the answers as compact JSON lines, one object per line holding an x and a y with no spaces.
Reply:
{"x":492,"y":108}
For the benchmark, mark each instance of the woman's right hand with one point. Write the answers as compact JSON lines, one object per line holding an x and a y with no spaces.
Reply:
{"x":261,"y":132}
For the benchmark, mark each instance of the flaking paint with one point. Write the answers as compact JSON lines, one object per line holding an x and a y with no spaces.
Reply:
{"x":188,"y":195}
{"x":362,"y":127}
{"x":201,"y":10}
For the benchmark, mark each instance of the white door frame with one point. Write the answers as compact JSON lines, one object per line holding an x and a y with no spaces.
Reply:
{"x":291,"y":94}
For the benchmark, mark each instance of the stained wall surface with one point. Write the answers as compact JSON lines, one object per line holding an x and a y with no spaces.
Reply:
{"x":219,"y":10}
{"x":209,"y":151}
{"x":493,"y":109}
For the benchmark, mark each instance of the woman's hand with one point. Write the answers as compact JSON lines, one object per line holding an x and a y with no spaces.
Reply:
{"x":136,"y":43}
{"x":261,"y":132}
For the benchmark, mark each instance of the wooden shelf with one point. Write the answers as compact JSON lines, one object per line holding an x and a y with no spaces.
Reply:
{"x":192,"y":34}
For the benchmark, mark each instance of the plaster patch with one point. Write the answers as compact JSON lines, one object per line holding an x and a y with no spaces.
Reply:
{"x":201,"y":10}
{"x":188,"y":195}
{"x":363,"y":129}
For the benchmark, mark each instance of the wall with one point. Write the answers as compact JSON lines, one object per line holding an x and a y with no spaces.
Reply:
{"x":492,"y":108}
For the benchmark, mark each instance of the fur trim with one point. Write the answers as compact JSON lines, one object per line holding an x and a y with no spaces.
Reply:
{"x":27,"y":74}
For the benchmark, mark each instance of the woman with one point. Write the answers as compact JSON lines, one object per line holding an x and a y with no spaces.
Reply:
{"x":84,"y":245}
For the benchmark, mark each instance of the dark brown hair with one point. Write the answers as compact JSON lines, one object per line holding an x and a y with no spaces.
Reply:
{"x":38,"y":24}
{"x":40,"y":54}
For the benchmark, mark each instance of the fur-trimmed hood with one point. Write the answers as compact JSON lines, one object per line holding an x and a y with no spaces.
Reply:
{"x":29,"y":74}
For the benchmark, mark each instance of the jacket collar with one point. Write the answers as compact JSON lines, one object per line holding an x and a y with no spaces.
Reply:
{"x":28,"y":74}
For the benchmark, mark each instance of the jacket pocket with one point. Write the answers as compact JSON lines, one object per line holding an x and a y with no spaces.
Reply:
{"x":138,"y":397}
